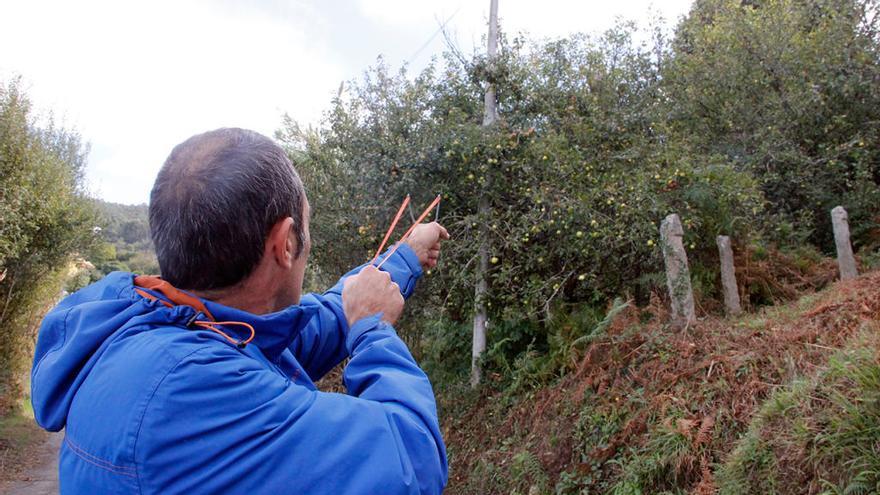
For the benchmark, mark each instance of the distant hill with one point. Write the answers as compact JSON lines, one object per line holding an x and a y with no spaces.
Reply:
{"x":125,"y":224}
{"x":127,"y":229}
{"x":126,"y":246}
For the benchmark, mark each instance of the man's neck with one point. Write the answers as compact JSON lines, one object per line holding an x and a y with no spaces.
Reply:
{"x":239,"y":296}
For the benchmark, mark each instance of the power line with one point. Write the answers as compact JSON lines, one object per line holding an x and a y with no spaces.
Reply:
{"x":433,"y":36}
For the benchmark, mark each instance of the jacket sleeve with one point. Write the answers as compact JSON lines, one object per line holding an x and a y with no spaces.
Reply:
{"x":252,"y":431}
{"x":320,"y":345}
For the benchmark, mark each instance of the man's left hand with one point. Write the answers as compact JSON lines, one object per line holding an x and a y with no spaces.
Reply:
{"x":425,"y":241}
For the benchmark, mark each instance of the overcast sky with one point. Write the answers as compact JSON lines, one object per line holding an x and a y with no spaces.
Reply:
{"x":136,"y":78}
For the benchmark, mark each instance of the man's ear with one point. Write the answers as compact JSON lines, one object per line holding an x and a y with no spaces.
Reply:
{"x":281,"y":243}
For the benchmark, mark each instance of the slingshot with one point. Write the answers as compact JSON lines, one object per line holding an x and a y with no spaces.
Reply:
{"x":399,"y":214}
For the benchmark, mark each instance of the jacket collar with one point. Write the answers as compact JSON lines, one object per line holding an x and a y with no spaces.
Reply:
{"x":273,"y":332}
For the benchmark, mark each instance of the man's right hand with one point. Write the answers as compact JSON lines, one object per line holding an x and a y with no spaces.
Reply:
{"x":369,"y":292}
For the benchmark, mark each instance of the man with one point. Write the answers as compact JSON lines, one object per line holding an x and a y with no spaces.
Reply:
{"x":203,"y":381}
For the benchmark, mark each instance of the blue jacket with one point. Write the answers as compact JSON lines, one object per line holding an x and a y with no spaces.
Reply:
{"x":151,"y":406}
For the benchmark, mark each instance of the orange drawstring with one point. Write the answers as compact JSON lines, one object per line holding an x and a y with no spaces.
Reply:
{"x":183,"y":299}
{"x":209,"y":325}
{"x":151,"y":297}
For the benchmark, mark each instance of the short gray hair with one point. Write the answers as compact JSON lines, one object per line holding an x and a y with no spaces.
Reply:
{"x":215,"y":201}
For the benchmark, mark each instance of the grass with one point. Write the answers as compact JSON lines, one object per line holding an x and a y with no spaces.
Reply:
{"x":818,"y":435}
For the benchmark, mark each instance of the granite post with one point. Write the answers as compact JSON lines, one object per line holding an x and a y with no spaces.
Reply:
{"x":728,"y":276}
{"x":845,"y":259}
{"x":678,"y":277}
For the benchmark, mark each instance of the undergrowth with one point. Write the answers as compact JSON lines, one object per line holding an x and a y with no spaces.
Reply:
{"x":818,"y":435}
{"x":622,"y":403}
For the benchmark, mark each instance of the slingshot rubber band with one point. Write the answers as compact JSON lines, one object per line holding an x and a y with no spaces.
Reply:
{"x":391,"y":228}
{"x":408,"y":232}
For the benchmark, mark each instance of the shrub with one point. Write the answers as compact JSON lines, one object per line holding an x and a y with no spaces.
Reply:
{"x":45,"y":218}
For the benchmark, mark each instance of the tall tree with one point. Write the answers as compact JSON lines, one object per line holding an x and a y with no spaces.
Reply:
{"x":786,"y":90}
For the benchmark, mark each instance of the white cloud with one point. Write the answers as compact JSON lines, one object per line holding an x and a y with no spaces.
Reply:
{"x":137,"y":78}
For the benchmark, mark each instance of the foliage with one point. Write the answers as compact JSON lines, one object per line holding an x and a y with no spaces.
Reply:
{"x":578,"y":175}
{"x":569,"y":333}
{"x":45,"y":218}
{"x":527,"y":469}
{"x":445,"y":351}
{"x":822,"y":432}
{"x":787,"y":91}
{"x":666,"y":462}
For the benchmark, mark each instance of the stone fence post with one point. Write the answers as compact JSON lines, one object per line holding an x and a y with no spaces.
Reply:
{"x":678,"y":277}
{"x":728,"y":276}
{"x":845,"y":259}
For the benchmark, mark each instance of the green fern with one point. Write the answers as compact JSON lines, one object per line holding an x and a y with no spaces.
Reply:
{"x":863,"y":483}
{"x":599,"y":331}
{"x":528,"y":469}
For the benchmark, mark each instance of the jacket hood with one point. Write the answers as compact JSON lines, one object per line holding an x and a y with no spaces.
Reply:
{"x":74,"y":335}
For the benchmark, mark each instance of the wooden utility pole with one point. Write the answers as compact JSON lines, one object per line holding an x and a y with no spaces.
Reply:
{"x":490,"y":115}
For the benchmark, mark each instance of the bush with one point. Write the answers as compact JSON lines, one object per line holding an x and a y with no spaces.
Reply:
{"x":45,"y":218}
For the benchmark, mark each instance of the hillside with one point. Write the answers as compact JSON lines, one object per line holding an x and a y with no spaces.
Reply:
{"x":782,"y":401}
{"x":127,"y":229}
{"x":123,"y":244}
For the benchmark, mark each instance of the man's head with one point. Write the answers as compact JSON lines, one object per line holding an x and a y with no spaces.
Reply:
{"x":228,"y":209}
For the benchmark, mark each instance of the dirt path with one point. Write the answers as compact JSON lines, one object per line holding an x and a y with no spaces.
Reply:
{"x":42,"y":477}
